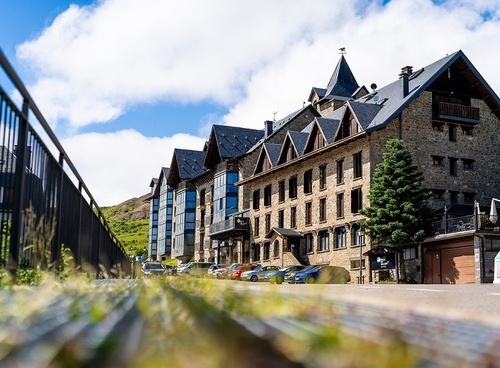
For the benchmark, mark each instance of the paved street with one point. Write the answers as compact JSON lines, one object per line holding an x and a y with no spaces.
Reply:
{"x":453,"y":325}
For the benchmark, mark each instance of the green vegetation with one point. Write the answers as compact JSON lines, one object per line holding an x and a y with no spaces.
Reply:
{"x":130,"y":223}
{"x":398,"y":209}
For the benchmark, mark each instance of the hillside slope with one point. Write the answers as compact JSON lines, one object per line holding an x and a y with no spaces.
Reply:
{"x":130,"y":222}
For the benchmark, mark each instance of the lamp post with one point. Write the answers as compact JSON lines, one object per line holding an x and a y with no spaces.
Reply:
{"x":230,"y":243}
{"x":361,"y":233}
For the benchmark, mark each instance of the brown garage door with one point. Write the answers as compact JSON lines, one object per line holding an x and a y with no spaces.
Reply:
{"x":457,"y":265}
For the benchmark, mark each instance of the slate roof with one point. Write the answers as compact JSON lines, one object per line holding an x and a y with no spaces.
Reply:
{"x":291,"y":233}
{"x":299,"y":140}
{"x":227,"y":142}
{"x":186,"y":165}
{"x":342,"y":84}
{"x":273,"y":151}
{"x":391,"y":98}
{"x":280,"y":124}
{"x":329,"y":128}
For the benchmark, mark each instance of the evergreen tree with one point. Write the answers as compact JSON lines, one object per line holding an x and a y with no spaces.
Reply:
{"x":398,"y":210}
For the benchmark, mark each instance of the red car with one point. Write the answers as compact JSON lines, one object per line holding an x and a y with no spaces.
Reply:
{"x":237,"y":271}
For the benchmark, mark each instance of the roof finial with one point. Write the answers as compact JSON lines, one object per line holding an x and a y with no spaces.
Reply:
{"x":342,"y":50}
{"x":274,"y":115}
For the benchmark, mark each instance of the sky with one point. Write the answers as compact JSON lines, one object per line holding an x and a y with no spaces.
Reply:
{"x":124,"y":82}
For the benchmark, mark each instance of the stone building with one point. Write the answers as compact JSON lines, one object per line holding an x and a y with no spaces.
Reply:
{"x":301,"y":181}
{"x":308,"y":189}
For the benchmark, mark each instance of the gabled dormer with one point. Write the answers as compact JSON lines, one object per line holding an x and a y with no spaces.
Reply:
{"x":321,"y":134}
{"x":293,"y":146}
{"x":268,"y":157}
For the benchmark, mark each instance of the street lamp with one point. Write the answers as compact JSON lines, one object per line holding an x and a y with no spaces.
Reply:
{"x":361,"y":233}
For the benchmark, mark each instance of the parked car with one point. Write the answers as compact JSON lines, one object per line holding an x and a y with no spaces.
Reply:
{"x":152,"y":268}
{"x":225,"y":272}
{"x":238,"y":270}
{"x":198,"y":269}
{"x":258,"y":273}
{"x":290,"y":276}
{"x":278,"y":276}
{"x":213,"y":268}
{"x":323,"y":275}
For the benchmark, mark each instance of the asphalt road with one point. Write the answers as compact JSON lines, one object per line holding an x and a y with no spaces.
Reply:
{"x":480,"y":302}
{"x":451,"y":325}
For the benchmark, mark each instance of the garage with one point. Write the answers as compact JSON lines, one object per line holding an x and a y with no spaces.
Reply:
{"x":457,"y":265}
{"x":450,"y":261}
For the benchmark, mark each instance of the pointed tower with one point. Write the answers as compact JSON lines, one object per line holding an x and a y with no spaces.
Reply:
{"x":341,"y":88}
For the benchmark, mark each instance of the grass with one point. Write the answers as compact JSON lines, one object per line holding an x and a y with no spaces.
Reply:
{"x":180,"y":322}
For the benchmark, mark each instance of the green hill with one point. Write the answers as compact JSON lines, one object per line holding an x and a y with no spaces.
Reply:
{"x":130,"y":223}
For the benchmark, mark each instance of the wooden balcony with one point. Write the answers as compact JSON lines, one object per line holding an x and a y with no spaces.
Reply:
{"x":455,"y":112}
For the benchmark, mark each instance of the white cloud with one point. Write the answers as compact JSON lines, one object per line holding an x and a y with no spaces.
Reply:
{"x":118,"y":166}
{"x":94,"y":63}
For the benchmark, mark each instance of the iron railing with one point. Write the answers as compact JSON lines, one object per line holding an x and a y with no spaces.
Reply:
{"x":466,"y":223}
{"x":45,"y":205}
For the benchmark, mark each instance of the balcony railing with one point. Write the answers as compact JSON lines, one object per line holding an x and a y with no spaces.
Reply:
{"x":464,"y":113}
{"x":232,"y":223}
{"x":465,"y":223}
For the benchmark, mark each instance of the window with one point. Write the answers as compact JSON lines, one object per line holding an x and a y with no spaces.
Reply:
{"x":357,"y":238}
{"x":276,"y":251}
{"x":469,"y":198}
{"x":340,"y":205}
{"x":356,"y":200}
{"x":202,"y":197}
{"x":308,"y":182}
{"x":256,"y":252}
{"x":322,"y":210}
{"x":438,"y":194}
{"x":267,"y":195}
{"x":437,"y":160}
{"x":452,"y":132}
{"x":281,"y":191}
{"x":357,"y":165}
{"x":267,"y":245}
{"x":322,"y":177}
{"x":340,"y":171}
{"x":355,"y":264}
{"x":290,"y":154}
{"x":256,"y":225}
{"x":268,"y":223}
{"x":468,"y":164}
{"x":323,"y":240}
{"x":308,"y":213}
{"x":292,"y":187}
{"x":293,"y":217}
{"x":340,"y":235}
{"x":309,"y":242}
{"x":410,"y":253}
{"x":281,"y":218}
{"x":437,"y":126}
{"x":453,"y":197}
{"x":319,"y":141}
{"x":467,"y":130}
{"x":454,"y":166}
{"x":256,"y":199}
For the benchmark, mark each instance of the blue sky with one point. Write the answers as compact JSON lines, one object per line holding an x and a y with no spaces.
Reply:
{"x":124,"y":82}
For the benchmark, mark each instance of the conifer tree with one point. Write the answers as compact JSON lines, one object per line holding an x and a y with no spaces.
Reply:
{"x":398,"y":210}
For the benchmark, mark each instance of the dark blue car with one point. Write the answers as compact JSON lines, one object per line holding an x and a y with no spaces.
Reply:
{"x":323,"y":275}
{"x":279,"y":275}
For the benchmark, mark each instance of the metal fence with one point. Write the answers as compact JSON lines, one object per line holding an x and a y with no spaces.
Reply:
{"x":45,"y":206}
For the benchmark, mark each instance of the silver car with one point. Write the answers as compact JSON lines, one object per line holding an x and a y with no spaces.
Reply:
{"x":258,"y":273}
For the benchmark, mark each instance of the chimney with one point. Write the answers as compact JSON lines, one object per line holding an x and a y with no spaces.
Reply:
{"x":268,"y":128}
{"x":404,"y":76}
